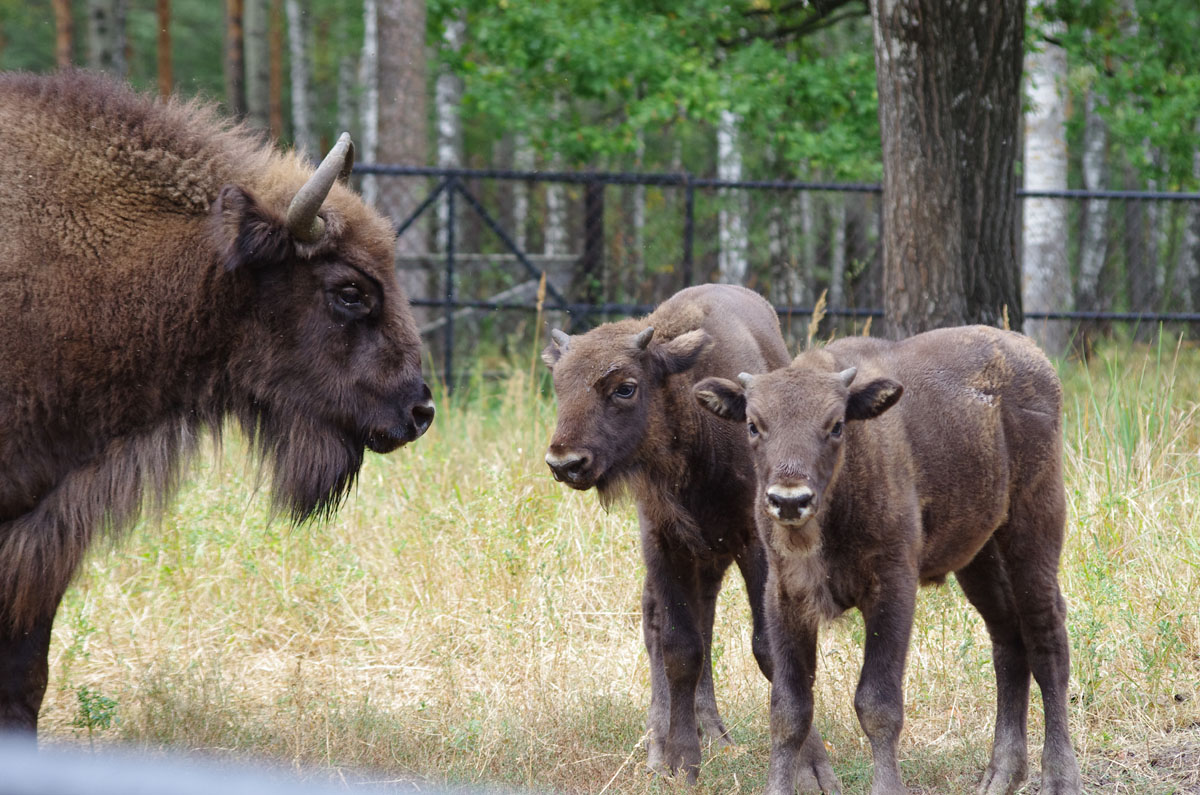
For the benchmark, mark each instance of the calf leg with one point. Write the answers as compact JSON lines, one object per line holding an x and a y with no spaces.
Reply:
{"x":798,"y":759}
{"x":752,"y":563}
{"x":708,"y":586}
{"x":1030,"y":545}
{"x":23,"y":675}
{"x":986,"y":583}
{"x":879,"y":699}
{"x":658,"y":720}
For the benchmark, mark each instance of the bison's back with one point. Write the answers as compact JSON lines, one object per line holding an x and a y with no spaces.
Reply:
{"x":981,"y":417}
{"x":743,"y":325}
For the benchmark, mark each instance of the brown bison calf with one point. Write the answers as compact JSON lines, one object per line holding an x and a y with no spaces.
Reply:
{"x":863,"y":495}
{"x":159,"y":273}
{"x":627,"y":420}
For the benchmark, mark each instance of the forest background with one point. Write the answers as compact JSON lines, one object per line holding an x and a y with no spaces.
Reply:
{"x":744,"y":90}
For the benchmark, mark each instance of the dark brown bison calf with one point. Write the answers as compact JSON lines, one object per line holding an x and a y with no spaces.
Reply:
{"x":627,"y":420}
{"x":862,"y":495}
{"x":161,"y":272}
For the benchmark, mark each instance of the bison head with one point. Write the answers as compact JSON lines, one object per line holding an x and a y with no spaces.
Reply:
{"x":796,"y":421}
{"x":326,"y":361}
{"x":607,"y":383}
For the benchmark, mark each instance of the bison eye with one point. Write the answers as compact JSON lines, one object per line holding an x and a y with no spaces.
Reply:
{"x":752,"y":429}
{"x":625,"y":390}
{"x":350,"y":296}
{"x":836,"y":431}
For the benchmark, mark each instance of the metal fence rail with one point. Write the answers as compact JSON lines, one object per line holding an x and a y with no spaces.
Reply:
{"x":477,"y":262}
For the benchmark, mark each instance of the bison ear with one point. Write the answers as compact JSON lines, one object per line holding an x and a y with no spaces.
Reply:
{"x":722,"y":397}
{"x":873,"y":399}
{"x":682,"y":353}
{"x":559,"y":342}
{"x":250,"y":233}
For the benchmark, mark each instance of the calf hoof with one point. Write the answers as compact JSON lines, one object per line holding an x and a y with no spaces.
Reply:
{"x":716,"y":732}
{"x":1061,"y":780}
{"x":1002,"y":778}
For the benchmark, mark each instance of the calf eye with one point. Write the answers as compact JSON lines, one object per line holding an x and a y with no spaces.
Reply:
{"x":350,"y":296}
{"x":625,"y":390}
{"x":752,"y":429}
{"x":836,"y":431}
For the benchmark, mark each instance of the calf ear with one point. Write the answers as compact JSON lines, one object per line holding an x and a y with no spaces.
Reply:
{"x":722,"y":397}
{"x":250,"y":234}
{"x":557,"y":347}
{"x":872,"y":399}
{"x":683,"y":352}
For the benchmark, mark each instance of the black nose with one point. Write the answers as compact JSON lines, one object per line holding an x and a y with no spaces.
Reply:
{"x":568,"y":466}
{"x":422,"y":415}
{"x":789,"y":503}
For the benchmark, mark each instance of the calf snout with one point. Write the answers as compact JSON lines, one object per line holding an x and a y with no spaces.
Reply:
{"x":569,"y":466}
{"x":790,"y":504}
{"x":422,"y":412}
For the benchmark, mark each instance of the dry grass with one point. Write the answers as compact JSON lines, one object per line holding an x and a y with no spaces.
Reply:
{"x":466,"y":619}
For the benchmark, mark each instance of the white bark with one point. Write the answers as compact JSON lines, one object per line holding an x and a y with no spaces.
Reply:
{"x":639,"y":214}
{"x":731,"y":229}
{"x":522,"y":161}
{"x":302,"y":131}
{"x":1047,"y":280}
{"x":808,"y":248}
{"x":256,"y":22}
{"x":369,"y":78}
{"x":556,"y":200}
{"x":837,"y":251}
{"x":447,"y":101}
{"x":106,"y":36}
{"x":1093,"y":247}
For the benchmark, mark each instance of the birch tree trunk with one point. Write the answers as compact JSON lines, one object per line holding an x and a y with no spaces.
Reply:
{"x":275,"y":51}
{"x":303,"y":137}
{"x":447,"y":101}
{"x":1047,"y":278}
{"x":1186,"y":286}
{"x":731,"y":215}
{"x":556,"y":200}
{"x":801,"y":289}
{"x":106,"y":36}
{"x":258,"y":63}
{"x":368,"y":67}
{"x":837,"y":252}
{"x":522,"y":161}
{"x":64,"y":34}
{"x":638,"y":217}
{"x":1093,"y":247}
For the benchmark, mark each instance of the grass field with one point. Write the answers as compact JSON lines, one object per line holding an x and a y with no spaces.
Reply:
{"x":465,"y":619}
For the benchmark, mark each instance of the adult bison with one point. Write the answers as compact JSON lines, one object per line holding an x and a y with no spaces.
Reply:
{"x":161,"y":271}
{"x":627,"y":421}
{"x":862,"y":495}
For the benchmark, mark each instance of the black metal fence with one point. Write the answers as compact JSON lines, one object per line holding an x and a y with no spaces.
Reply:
{"x":482,"y":251}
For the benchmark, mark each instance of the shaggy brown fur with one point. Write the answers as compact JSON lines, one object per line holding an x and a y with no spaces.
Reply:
{"x":863,"y":493}
{"x":627,"y":421}
{"x":150,"y":289}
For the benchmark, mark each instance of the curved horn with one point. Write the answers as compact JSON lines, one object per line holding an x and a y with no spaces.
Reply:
{"x":560,"y":338}
{"x":302,"y":219}
{"x":643,"y":338}
{"x":847,"y":375}
{"x":745,"y":379}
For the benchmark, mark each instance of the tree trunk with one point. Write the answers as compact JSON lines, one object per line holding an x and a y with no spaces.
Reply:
{"x":166,"y":79}
{"x":949,"y":195}
{"x":1093,"y":247}
{"x":522,"y":161}
{"x":1187,"y":268}
{"x":1047,"y":277}
{"x":275,"y":106}
{"x":368,"y":67}
{"x":922,"y":226}
{"x":235,"y":64}
{"x":732,"y":212}
{"x":64,"y":34}
{"x":258,"y":63}
{"x":837,"y":251}
{"x":555,"y":243}
{"x":403,"y":126}
{"x":447,"y":99}
{"x":302,"y":130}
{"x":107,"y":40}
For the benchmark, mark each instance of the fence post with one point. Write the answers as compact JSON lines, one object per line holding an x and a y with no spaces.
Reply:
{"x":689,"y":227}
{"x":448,"y":353}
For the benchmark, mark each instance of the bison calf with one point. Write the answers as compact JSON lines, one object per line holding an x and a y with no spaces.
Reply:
{"x":160,"y":273}
{"x":627,"y":420}
{"x":863,"y":495}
